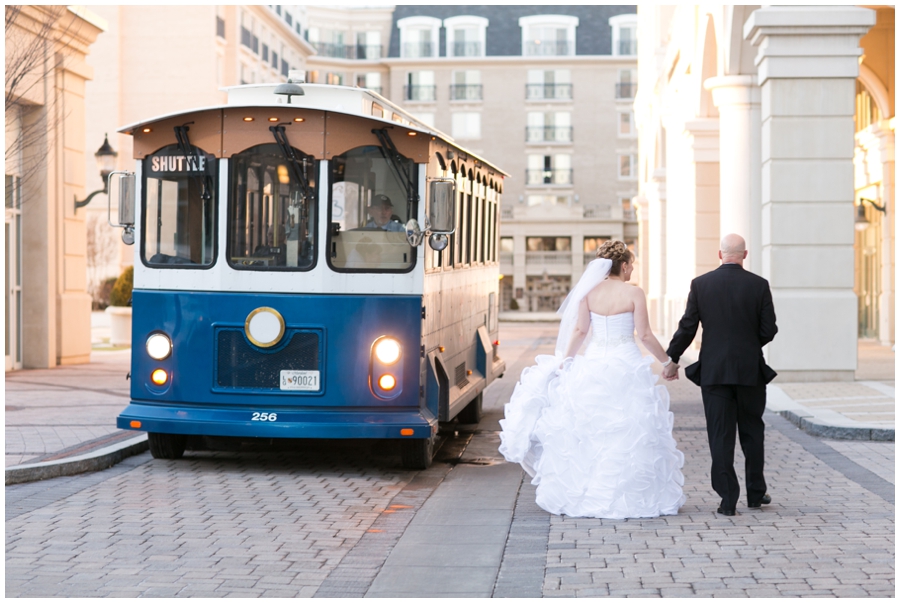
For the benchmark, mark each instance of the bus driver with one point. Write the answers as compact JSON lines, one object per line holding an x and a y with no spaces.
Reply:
{"x":381,"y":211}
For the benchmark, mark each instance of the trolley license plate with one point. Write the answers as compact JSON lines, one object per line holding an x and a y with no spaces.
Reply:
{"x":300,"y":381}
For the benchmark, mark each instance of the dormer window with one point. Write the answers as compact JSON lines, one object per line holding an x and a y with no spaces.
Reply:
{"x":624,"y":35}
{"x":419,"y":37}
{"x":548,"y":35}
{"x":466,"y":36}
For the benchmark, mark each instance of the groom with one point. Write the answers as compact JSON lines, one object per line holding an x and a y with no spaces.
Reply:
{"x":735,"y":308}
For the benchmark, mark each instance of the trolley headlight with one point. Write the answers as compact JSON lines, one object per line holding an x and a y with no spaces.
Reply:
{"x":387,"y":351}
{"x":159,"y":346}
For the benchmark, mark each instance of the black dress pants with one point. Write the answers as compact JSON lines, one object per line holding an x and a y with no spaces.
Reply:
{"x":728,"y":407}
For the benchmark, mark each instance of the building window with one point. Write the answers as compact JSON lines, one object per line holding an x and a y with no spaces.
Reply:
{"x":265,"y":53}
{"x":248,"y":37}
{"x":626,"y":123}
{"x":591,"y":245}
{"x":506,"y":244}
{"x":420,"y":86}
{"x":285,"y":68}
{"x":425,"y":118}
{"x":549,"y":84}
{"x":220,"y":27}
{"x":548,"y":35}
{"x":466,"y":85}
{"x":466,"y":126}
{"x":466,"y":36}
{"x":626,"y":87}
{"x":330,"y":43}
{"x":624,"y":35}
{"x":628,"y":212}
{"x":334,"y":79}
{"x":274,"y":60}
{"x":548,"y":243}
{"x":549,"y":126}
{"x":372,"y":81}
{"x":627,"y":166}
{"x":549,"y":169}
{"x":289,"y":18}
{"x":419,"y":37}
{"x":368,"y":45}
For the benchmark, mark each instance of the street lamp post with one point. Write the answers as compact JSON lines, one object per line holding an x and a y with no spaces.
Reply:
{"x":862,"y":222}
{"x":106,"y":162}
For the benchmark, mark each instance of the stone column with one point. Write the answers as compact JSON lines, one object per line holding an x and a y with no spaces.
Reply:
{"x":807,"y":67}
{"x":737,"y":98}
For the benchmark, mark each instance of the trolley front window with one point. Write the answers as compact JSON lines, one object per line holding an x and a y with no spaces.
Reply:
{"x":271,"y":222}
{"x":369,"y":211}
{"x":179,"y":200}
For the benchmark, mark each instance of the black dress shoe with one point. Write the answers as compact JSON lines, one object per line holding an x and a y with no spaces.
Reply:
{"x":726,"y":512}
{"x":766,"y":499}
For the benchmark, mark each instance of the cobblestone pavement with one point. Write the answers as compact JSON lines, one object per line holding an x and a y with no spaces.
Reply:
{"x":322,"y":519}
{"x":48,"y":411}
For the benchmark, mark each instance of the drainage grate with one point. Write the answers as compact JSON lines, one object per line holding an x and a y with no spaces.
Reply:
{"x":461,"y":379}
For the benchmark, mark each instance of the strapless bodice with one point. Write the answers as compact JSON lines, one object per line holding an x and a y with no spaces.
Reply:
{"x":610,"y":333}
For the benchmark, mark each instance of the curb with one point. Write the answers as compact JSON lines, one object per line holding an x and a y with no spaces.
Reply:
{"x":816,"y":427}
{"x":782,"y":404}
{"x":97,"y":460}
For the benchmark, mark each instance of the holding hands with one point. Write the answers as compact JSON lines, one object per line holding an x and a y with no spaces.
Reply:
{"x":670,"y":370}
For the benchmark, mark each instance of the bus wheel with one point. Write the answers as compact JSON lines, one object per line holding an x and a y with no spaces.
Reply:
{"x":472,"y":412}
{"x":166,"y":445}
{"x":417,"y":454}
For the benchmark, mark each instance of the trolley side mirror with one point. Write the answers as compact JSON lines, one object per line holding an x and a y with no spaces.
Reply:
{"x":125,"y":196}
{"x":442,"y":206}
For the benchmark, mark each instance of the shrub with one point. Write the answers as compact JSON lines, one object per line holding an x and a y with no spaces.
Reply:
{"x":101,"y":295}
{"x":513,"y":304}
{"x":121,"y":291}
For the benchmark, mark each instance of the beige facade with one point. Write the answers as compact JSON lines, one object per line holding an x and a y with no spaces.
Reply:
{"x":47,"y":307}
{"x":747,"y":126}
{"x":154,"y":60}
{"x":561,"y":124}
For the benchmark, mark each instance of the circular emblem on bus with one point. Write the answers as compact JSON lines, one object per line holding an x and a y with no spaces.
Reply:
{"x":264,"y":327}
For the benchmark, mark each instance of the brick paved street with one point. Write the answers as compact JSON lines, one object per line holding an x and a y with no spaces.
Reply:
{"x":342,"y":519}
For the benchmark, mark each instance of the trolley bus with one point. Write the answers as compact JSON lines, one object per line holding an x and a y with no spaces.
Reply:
{"x":311,"y":261}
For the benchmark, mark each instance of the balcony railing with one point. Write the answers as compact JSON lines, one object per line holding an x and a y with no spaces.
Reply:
{"x":629,"y":215}
{"x":548,"y":134}
{"x":548,"y":176}
{"x":557,"y":258}
{"x":626,"y":89}
{"x":544,"y":48}
{"x":467,"y":49}
{"x":597,"y":211}
{"x":368,"y":51}
{"x":470,"y":92}
{"x":506,"y":257}
{"x":548,"y":91}
{"x":417,"y":50}
{"x":344,"y":51}
{"x":420,"y":93}
{"x":628,"y":47}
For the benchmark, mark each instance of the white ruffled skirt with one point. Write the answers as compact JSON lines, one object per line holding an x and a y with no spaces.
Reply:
{"x":596,"y":437}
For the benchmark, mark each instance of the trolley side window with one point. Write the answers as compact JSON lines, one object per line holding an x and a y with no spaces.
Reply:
{"x":179,"y":200}
{"x":272,"y":216}
{"x":369,"y":210}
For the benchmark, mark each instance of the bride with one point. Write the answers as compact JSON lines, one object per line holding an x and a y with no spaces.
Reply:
{"x":595,"y":431}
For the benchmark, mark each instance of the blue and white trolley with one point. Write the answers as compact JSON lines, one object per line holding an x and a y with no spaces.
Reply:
{"x":283,"y":285}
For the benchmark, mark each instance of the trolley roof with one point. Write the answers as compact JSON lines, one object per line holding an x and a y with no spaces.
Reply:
{"x":336,"y":99}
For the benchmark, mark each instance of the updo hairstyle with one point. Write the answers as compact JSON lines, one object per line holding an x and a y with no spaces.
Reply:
{"x":617,"y":252}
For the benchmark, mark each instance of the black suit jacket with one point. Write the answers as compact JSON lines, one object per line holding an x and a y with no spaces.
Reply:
{"x":735,"y":308}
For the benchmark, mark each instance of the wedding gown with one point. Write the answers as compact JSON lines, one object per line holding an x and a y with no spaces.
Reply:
{"x":596,"y":435}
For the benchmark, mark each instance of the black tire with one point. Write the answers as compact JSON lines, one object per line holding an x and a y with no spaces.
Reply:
{"x":472,"y":413}
{"x":167,"y":445}
{"x":417,"y":454}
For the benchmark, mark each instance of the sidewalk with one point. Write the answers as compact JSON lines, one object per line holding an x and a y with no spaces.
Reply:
{"x":61,"y":421}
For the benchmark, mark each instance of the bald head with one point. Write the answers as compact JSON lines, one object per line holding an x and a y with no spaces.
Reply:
{"x":733,"y":249}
